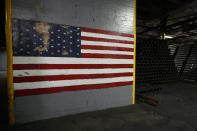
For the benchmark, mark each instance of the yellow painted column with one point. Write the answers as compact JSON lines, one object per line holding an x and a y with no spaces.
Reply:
{"x":134,"y":62}
{"x":9,"y":62}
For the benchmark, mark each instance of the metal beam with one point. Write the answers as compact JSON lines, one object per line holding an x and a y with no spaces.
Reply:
{"x":169,"y":26}
{"x":185,"y":62}
{"x":175,"y":52}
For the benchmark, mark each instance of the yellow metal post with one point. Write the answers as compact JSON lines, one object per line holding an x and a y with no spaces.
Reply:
{"x":134,"y":62}
{"x":9,"y":62}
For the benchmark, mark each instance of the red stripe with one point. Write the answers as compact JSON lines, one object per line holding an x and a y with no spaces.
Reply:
{"x":94,"y":47}
{"x":113,"y":56}
{"x":68,"y":77}
{"x":106,"y":32}
{"x":68,"y":88}
{"x":105,"y":40}
{"x":69,"y":66}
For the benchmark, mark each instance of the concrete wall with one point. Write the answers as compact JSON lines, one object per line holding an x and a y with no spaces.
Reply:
{"x":113,"y":15}
{"x":3,"y":87}
{"x":3,"y":65}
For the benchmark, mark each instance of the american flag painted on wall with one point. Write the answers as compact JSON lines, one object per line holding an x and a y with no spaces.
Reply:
{"x":51,"y":58}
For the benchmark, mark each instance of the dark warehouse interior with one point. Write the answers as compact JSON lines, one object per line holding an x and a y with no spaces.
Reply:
{"x":165,"y":65}
{"x":174,"y":57}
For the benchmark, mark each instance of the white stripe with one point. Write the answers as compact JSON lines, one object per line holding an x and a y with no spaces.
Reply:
{"x":106,"y":52}
{"x":67,"y":60}
{"x":106,"y":36}
{"x":98,"y":43}
{"x":48,"y":84}
{"x":21,"y":73}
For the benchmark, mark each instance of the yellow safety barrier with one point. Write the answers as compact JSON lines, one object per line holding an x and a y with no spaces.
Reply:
{"x":9,"y":62}
{"x":134,"y":63}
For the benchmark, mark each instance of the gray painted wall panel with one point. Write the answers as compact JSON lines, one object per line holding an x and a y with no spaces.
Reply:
{"x":37,"y":107}
{"x":114,"y":15}
{"x":3,"y":65}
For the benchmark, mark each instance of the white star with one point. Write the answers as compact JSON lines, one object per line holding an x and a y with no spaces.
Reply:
{"x":58,"y":50}
{"x":77,"y":53}
{"x":58,"y":44}
{"x":34,"y":43}
{"x":52,"y":53}
{"x":52,"y":40}
{"x":52,"y":46}
{"x":21,"y":49}
{"x":77,"y":33}
{"x":71,"y":43}
{"x":58,"y":37}
{"x":71,"y":37}
{"x":34,"y":28}
{"x":21,"y":42}
{"x":52,"y":32}
{"x":70,"y":51}
{"x":64,"y":47}
{"x":28,"y":52}
{"x":64,"y":41}
{"x":64,"y":33}
{"x":58,"y":30}
{"x":34,"y":35}
{"x":78,"y":45}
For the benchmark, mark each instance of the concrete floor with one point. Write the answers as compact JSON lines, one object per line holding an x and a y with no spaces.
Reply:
{"x":177,"y":111}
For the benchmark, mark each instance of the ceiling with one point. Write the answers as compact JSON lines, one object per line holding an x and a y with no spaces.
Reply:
{"x":175,"y":18}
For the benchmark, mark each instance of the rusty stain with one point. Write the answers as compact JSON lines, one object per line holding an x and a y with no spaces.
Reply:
{"x":43,"y":29}
{"x":66,"y":26}
{"x":65,"y":53}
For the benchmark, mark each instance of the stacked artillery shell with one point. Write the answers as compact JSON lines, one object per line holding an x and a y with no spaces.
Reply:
{"x":154,"y":63}
{"x":187,"y":61}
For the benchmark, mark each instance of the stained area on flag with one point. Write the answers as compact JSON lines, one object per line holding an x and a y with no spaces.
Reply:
{"x":32,"y":38}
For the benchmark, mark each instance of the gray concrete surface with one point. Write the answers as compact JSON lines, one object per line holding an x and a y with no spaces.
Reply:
{"x":114,"y":15}
{"x":3,"y":87}
{"x":38,"y":107}
{"x":177,"y":111}
{"x":3,"y":65}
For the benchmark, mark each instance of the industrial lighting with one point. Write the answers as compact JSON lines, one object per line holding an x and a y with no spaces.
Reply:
{"x":164,"y":36}
{"x":168,"y":37}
